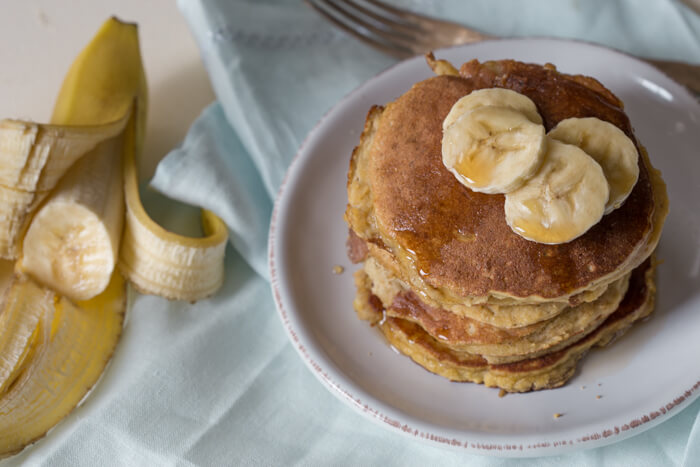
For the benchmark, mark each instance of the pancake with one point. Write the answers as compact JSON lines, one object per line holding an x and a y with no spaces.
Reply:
{"x":446,"y":280}
{"x":547,"y":371}
{"x":499,"y":313}
{"x":497,"y":345}
{"x":453,"y":244}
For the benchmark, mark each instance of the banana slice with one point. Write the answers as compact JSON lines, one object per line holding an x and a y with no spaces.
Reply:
{"x":565,"y":199}
{"x":610,"y":147}
{"x":493,"y":149}
{"x":495,"y":97}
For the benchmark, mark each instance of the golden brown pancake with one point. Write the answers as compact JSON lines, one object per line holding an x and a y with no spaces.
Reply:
{"x":497,"y":345}
{"x":455,"y":241}
{"x":547,"y":371}
{"x":445,"y":278}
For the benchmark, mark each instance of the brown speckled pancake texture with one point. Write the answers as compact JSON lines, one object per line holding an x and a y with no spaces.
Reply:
{"x":459,"y":239}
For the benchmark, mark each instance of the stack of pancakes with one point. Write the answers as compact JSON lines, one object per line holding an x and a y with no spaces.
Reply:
{"x":445,"y":278}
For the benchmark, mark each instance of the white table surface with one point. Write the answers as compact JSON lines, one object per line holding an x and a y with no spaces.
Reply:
{"x":40,"y":39}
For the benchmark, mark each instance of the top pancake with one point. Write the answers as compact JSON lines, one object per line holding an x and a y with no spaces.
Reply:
{"x":458,"y":239}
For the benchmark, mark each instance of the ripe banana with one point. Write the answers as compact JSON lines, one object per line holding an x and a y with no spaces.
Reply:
{"x":53,"y":346}
{"x":493,"y":97}
{"x":493,"y":149}
{"x":34,"y":157}
{"x":72,"y":244}
{"x":610,"y":147}
{"x":563,"y":200}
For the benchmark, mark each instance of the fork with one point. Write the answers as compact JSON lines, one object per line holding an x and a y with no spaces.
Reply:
{"x":403,"y":33}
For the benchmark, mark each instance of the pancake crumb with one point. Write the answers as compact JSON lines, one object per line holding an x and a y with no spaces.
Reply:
{"x":598,"y":396}
{"x":557,"y":415}
{"x":502,"y":393}
{"x":338,"y":269}
{"x":583,"y":387}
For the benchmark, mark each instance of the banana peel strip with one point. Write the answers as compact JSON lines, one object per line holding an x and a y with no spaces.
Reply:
{"x":160,"y":262}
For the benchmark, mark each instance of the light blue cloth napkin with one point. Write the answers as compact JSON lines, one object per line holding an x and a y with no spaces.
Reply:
{"x":276,"y":68}
{"x":217,"y":383}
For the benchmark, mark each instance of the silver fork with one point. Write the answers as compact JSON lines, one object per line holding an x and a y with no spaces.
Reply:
{"x":403,"y":33}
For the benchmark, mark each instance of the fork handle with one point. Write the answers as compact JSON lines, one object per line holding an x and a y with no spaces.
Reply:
{"x":684,"y":73}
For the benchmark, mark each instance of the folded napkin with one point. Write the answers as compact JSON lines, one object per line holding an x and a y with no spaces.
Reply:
{"x":217,"y":383}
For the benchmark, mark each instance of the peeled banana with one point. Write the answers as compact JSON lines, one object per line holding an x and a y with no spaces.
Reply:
{"x":34,"y":157}
{"x":493,"y":149}
{"x":562,"y":201}
{"x":72,"y":244}
{"x":63,"y":305}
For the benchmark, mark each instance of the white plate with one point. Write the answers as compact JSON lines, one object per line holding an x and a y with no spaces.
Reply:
{"x":644,"y":378}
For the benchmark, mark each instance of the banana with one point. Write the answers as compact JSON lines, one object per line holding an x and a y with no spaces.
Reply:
{"x":73,"y":241}
{"x":492,"y":97}
{"x":34,"y":157}
{"x":610,"y":147}
{"x":493,"y":149}
{"x":50,"y":368}
{"x":72,"y":244}
{"x":62,"y":313}
{"x":562,"y":201}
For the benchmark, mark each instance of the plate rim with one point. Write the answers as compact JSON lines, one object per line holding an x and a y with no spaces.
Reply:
{"x":385,"y":416}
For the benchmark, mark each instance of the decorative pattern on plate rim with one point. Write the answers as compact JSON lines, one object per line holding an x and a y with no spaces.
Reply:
{"x":482,"y":448}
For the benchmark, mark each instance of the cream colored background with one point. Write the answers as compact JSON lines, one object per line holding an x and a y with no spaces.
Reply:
{"x":40,"y":38}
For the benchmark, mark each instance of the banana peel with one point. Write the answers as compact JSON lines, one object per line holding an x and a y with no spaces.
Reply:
{"x":53,"y":348}
{"x":74,"y":342}
{"x":163,"y":263}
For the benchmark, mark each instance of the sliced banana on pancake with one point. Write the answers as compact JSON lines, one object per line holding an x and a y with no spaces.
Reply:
{"x":493,"y":97}
{"x":493,"y":149}
{"x":563,"y":200}
{"x":610,"y":147}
